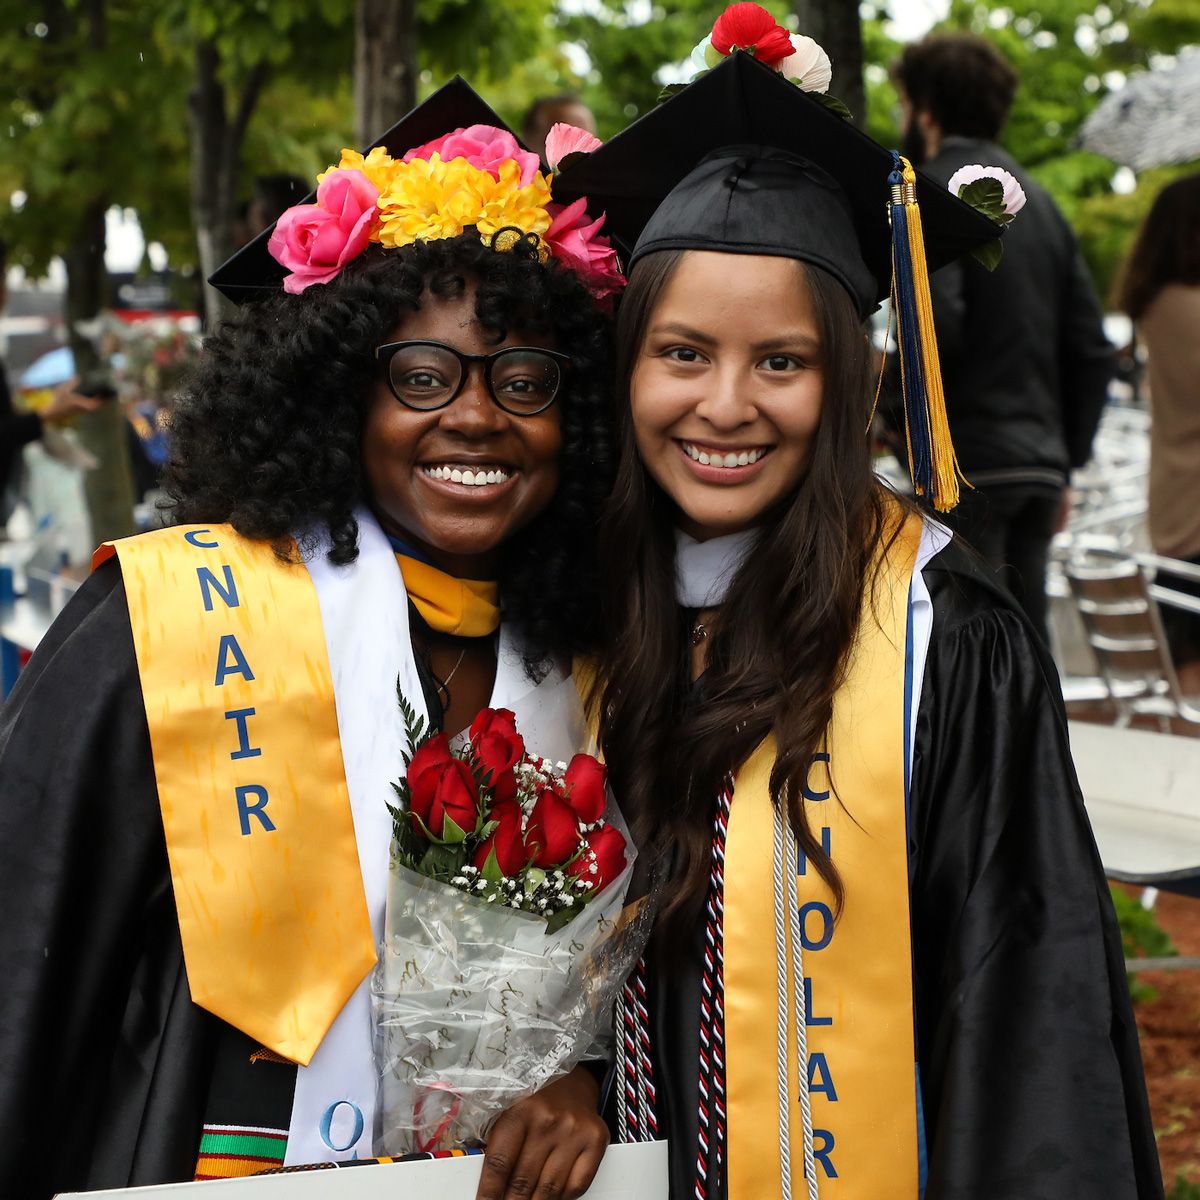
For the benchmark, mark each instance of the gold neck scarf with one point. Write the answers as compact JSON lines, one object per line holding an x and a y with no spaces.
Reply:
{"x":462,"y":607}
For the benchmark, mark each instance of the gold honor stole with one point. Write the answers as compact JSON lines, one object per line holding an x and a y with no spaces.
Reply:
{"x":260,"y":836}
{"x":858,"y":996}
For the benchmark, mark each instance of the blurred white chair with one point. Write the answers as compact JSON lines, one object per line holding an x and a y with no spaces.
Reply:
{"x":1117,"y":595}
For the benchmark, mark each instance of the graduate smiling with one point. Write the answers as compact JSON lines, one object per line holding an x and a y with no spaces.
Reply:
{"x":887,"y":963}
{"x":387,"y":473}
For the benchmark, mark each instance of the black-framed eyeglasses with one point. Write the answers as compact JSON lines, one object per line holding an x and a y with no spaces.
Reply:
{"x":522,"y":380}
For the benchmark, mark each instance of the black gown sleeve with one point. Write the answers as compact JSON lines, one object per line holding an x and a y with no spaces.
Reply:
{"x":104,"y":1060}
{"x":1030,"y":1067}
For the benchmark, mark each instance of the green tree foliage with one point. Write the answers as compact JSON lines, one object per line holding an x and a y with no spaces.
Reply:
{"x":83,"y":89}
{"x":634,"y":47}
{"x":110,"y":122}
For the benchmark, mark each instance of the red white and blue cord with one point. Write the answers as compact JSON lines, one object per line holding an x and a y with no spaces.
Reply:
{"x":712,"y":1013}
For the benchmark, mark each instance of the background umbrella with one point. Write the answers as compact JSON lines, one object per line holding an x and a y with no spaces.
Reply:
{"x":1153,"y":121}
{"x":50,"y":370}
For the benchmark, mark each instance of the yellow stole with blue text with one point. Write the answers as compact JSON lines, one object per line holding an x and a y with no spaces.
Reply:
{"x":243,"y":729}
{"x":858,"y":997}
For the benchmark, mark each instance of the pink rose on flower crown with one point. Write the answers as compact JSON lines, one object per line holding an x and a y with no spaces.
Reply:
{"x":576,"y":241}
{"x":315,"y":241}
{"x":483,"y":146}
{"x":564,"y":139}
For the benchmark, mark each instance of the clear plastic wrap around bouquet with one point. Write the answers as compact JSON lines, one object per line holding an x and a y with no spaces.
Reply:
{"x":507,"y":936}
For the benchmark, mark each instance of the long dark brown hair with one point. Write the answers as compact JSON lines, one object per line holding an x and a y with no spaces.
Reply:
{"x":779,"y":650}
{"x":1167,"y":249}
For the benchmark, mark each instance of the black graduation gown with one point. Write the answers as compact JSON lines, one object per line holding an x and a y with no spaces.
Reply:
{"x":108,"y":1071}
{"x":105,"y":1062}
{"x":1030,"y":1070}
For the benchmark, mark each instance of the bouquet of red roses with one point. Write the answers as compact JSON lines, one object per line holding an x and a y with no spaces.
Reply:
{"x":507,"y":936}
{"x":504,"y":825}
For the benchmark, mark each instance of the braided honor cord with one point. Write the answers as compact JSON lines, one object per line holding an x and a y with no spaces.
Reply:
{"x":636,"y":1117}
{"x":781,"y":865}
{"x":712,"y":1008}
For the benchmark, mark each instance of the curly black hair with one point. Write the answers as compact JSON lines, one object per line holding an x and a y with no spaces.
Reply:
{"x":267,"y":434}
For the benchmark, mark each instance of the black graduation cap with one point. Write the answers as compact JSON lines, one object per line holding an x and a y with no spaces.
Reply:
{"x":252,"y":274}
{"x":768,"y":170}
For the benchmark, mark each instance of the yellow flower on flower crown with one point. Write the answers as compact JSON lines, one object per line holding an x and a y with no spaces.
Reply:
{"x":420,"y":202}
{"x":378,"y":166}
{"x":496,"y":203}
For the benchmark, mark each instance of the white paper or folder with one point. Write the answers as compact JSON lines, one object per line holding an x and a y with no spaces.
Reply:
{"x":635,"y":1172}
{"x":1142,"y":792}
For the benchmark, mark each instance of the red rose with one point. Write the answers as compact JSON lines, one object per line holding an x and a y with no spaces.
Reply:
{"x":505,"y":839}
{"x":603,"y":857}
{"x":430,"y":754}
{"x":498,"y":747}
{"x":498,"y":721}
{"x":742,"y":26}
{"x":442,"y":786}
{"x":583,"y":786}
{"x":552,"y":835}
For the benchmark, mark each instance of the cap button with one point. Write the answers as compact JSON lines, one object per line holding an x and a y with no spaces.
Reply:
{"x":738,"y":168}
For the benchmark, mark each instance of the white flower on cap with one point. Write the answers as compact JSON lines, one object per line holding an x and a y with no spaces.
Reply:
{"x":808,"y":66}
{"x":1014,"y":193}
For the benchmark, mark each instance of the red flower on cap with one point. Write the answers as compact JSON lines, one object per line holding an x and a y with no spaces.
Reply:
{"x":749,"y":26}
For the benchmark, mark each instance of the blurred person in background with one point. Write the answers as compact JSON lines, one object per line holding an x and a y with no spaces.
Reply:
{"x":1160,"y":290}
{"x":17,"y":429}
{"x":273,"y":195}
{"x":546,"y":112}
{"x":1024,"y":358}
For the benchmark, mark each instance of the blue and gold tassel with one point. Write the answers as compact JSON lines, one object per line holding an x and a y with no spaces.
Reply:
{"x":931,"y":459}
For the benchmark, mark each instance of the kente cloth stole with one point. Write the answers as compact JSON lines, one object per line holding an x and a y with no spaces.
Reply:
{"x":462,"y":607}
{"x":243,"y":729}
{"x":858,"y":995}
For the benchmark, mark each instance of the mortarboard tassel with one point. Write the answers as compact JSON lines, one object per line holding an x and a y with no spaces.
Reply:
{"x":934,"y":468}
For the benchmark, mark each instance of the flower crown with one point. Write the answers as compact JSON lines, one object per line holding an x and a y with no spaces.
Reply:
{"x":477,"y":177}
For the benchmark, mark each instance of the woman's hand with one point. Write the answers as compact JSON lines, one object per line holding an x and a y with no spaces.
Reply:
{"x":67,"y":403}
{"x":549,"y":1146}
